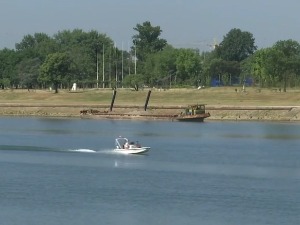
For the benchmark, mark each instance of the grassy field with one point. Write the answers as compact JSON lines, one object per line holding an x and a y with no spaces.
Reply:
{"x":217,"y":96}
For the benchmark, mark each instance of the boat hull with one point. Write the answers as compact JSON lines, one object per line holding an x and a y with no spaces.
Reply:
{"x":132,"y":151}
{"x":193,"y":118}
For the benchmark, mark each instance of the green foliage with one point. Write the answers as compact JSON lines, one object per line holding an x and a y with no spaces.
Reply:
{"x":289,"y":48}
{"x":147,"y":40}
{"x":276,"y":66}
{"x":160,"y":66}
{"x":28,"y":71}
{"x":134,"y":81}
{"x":38,"y":45}
{"x":287,"y":59}
{"x":55,"y":68}
{"x":8,"y":61}
{"x":83,"y":49}
{"x":188,"y":65}
{"x":237,"y":45}
{"x":222,"y":70}
{"x":78,"y":56}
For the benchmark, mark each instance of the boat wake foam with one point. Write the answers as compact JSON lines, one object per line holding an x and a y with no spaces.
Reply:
{"x":103,"y":151}
{"x":83,"y":150}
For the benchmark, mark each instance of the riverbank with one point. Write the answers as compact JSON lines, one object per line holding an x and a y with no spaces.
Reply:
{"x":223,"y":103}
{"x":258,"y":113}
{"x":250,"y":113}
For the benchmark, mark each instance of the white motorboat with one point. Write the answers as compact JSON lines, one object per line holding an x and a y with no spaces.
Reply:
{"x":123,"y":145}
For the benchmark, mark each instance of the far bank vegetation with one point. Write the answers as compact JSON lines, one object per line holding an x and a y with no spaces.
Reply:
{"x":93,"y":60}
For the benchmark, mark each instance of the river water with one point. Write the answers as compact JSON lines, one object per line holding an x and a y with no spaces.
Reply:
{"x":63,"y":171}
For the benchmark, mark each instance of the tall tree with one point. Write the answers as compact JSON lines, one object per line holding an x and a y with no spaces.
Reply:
{"x":8,"y":62}
{"x":161,"y":66}
{"x":257,"y":66}
{"x":288,"y":60}
{"x":28,"y":71}
{"x":225,"y":72}
{"x":83,"y":49}
{"x":237,"y":45}
{"x":37,"y":45}
{"x":188,"y":65}
{"x":54,"y":69}
{"x":276,"y":65}
{"x":147,"y":40}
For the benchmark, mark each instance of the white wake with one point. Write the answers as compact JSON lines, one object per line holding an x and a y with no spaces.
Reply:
{"x":83,"y":150}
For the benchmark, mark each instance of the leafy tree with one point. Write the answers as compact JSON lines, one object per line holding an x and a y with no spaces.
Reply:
{"x":160,"y":66}
{"x":8,"y":61}
{"x":147,"y":40}
{"x":276,"y":65}
{"x":134,"y":80}
{"x":38,"y":45}
{"x":206,"y":60}
{"x":33,"y":50}
{"x":287,"y":59}
{"x":256,"y":66}
{"x":28,"y":71}
{"x":237,"y":45}
{"x":31,"y":41}
{"x":264,"y":66}
{"x":157,"y":62}
{"x":54,"y":69}
{"x":289,"y":48}
{"x":83,"y":49}
{"x":268,"y":66}
{"x":224,"y":71}
{"x":188,"y":65}
{"x":27,"y":42}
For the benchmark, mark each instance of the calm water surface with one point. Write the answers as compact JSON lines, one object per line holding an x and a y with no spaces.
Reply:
{"x":63,"y":171}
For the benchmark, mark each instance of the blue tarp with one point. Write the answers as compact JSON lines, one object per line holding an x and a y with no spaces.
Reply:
{"x":216,"y":83}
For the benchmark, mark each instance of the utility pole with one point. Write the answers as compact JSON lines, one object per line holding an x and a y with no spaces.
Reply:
{"x":135,"y":59}
{"x":116,"y":61}
{"x":122,"y":65}
{"x":103,"y":70}
{"x":97,"y":67}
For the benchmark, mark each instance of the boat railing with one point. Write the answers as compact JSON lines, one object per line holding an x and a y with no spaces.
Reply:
{"x":118,"y":145}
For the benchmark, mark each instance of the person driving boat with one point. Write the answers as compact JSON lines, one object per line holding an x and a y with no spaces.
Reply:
{"x":132,"y":144}
{"x":126,"y":145}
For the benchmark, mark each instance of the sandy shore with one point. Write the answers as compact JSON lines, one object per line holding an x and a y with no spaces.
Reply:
{"x":251,"y":113}
{"x":268,"y":113}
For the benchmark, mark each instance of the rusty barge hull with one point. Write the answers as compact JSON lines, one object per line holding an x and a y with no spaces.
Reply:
{"x":193,"y":118}
{"x":124,"y":116}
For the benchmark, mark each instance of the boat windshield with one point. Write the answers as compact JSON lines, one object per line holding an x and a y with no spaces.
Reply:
{"x":120,"y":142}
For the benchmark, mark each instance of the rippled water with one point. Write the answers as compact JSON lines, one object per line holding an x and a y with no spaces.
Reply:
{"x":63,"y":171}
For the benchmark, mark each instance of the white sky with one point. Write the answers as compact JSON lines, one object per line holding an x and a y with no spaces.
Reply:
{"x":185,"y":23}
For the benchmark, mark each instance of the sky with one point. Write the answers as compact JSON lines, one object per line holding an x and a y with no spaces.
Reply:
{"x":184,"y":23}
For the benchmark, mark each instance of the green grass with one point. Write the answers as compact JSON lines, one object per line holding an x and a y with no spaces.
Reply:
{"x":209,"y":96}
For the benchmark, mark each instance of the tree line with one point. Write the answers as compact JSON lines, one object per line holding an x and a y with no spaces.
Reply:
{"x":92,"y":60}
